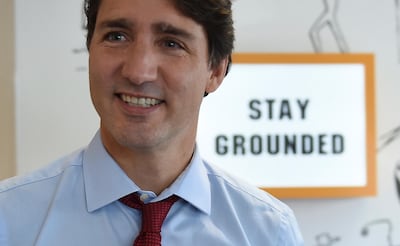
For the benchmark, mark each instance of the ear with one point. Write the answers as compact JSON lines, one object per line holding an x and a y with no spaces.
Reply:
{"x":217,"y":75}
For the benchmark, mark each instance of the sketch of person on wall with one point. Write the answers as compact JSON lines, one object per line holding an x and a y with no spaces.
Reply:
{"x":328,"y":19}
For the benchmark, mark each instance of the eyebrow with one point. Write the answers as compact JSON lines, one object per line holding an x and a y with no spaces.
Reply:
{"x":167,"y":28}
{"x":116,"y":23}
{"x":158,"y":27}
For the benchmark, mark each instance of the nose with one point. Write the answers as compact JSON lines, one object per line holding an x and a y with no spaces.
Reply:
{"x":140,"y":63}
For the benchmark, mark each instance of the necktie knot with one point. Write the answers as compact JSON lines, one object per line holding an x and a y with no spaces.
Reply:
{"x":153,"y":215}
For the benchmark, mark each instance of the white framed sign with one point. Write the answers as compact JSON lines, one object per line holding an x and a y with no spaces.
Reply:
{"x":297,"y":125}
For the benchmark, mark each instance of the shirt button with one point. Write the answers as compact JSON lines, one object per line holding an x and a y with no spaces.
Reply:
{"x":144,"y":197}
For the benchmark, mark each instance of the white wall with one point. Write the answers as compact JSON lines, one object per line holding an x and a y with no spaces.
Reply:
{"x":54,"y":112}
{"x":55,"y":115}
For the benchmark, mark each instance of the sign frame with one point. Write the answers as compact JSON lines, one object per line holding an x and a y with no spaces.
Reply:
{"x":367,"y":60}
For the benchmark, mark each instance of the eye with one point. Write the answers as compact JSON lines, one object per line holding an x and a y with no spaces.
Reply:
{"x":172,"y":44}
{"x":115,"y":37}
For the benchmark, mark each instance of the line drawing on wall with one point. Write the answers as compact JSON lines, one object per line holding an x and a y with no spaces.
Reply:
{"x":325,"y":239}
{"x":328,"y":18}
{"x":79,"y":51}
{"x":83,"y":49}
{"x":389,"y":137}
{"x":380,"y":222}
{"x":397,"y":178}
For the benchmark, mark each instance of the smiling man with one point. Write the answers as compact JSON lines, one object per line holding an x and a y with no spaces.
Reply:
{"x":149,"y":70}
{"x":150,"y":64}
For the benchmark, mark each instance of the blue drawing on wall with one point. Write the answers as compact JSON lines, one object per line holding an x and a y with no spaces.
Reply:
{"x":328,"y":19}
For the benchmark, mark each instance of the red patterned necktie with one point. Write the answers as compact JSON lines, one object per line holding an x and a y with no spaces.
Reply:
{"x":153,"y":215}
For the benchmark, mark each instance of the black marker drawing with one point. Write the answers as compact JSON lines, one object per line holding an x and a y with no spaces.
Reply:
{"x":328,"y":19}
{"x":397,"y":178}
{"x":380,"y":222}
{"x":388,"y":137}
{"x":325,"y":239}
{"x":78,"y":51}
{"x":82,"y":50}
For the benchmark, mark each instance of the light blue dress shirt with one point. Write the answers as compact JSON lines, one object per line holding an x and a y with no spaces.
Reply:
{"x":74,"y":201}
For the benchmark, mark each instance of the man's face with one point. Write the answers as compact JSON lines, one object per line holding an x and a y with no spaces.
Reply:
{"x":148,"y":71}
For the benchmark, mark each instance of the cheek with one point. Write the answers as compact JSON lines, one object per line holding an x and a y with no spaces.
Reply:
{"x":193,"y":91}
{"x":101,"y":90}
{"x":100,"y":72}
{"x":101,"y":63}
{"x":194,"y":78}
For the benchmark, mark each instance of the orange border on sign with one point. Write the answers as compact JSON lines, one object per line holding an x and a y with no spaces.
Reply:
{"x":368,"y":61}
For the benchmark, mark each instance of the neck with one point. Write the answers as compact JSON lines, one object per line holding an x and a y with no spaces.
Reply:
{"x":153,"y":169}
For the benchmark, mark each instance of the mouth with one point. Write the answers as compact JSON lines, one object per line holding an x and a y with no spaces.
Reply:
{"x":143,"y":102}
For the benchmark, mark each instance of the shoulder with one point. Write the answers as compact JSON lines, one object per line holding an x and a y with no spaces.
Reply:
{"x":28,"y":197}
{"x":245,"y":191}
{"x":41,"y":176}
{"x":255,"y":209}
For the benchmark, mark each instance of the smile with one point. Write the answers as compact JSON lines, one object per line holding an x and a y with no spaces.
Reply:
{"x":140,"y":101}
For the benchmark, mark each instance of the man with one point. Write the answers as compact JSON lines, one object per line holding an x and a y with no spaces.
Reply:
{"x":151,"y":62}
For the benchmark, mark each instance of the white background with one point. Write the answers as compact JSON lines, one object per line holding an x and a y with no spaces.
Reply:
{"x":55,"y":115}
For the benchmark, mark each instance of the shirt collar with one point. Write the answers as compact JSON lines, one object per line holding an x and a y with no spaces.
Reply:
{"x":106,"y":182}
{"x":193,"y":184}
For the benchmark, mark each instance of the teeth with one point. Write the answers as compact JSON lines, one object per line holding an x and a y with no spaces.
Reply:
{"x":140,"y":101}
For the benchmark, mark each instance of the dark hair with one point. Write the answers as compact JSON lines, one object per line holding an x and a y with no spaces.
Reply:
{"x":214,"y":15}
